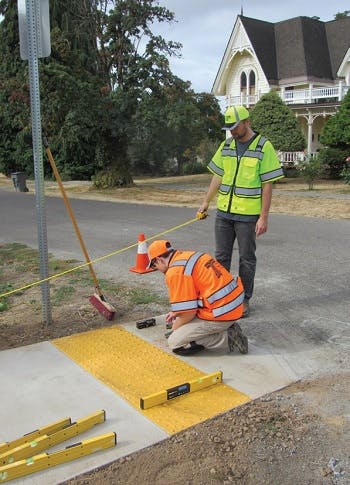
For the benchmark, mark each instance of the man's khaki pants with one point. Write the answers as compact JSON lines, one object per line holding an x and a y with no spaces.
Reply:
{"x":210,"y":334}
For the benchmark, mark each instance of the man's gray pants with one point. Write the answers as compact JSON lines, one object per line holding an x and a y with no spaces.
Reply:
{"x":226,"y":232}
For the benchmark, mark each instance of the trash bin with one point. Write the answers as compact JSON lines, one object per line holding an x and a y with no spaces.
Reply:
{"x":19,"y":181}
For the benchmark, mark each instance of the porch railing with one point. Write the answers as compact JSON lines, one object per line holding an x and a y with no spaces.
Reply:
{"x":291,"y":159}
{"x":295,"y":96}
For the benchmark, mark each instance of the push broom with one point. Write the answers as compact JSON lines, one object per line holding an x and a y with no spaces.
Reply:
{"x":97,"y":299}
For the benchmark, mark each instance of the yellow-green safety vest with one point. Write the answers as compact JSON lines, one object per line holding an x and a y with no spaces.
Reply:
{"x":241,"y":179}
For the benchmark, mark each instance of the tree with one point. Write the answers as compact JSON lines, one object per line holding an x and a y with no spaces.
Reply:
{"x":68,"y":86}
{"x":191,"y":119}
{"x":211,"y":122}
{"x":342,"y":15}
{"x":14,"y":95}
{"x":104,"y":56}
{"x":134,"y":60}
{"x":212,"y":118}
{"x":106,"y":71}
{"x":274,"y":119}
{"x":336,"y":131}
{"x":336,"y":138}
{"x":171,"y":122}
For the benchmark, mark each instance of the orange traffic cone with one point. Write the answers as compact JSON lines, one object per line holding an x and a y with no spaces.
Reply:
{"x":142,"y":258}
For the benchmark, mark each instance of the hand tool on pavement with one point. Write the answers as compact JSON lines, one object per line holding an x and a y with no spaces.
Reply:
{"x":149,"y":322}
{"x":18,"y":458}
{"x":191,"y":386}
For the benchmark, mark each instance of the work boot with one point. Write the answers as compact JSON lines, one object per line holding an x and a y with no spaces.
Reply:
{"x":192,"y":348}
{"x":246,"y":309}
{"x":237,"y":339}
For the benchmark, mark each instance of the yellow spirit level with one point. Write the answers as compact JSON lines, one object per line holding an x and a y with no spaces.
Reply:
{"x":46,"y":460}
{"x":50,"y":428}
{"x":191,"y":386}
{"x":48,"y":440}
{"x":20,"y":457}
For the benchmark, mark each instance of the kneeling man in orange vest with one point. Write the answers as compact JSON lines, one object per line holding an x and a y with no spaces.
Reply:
{"x":206,"y":300}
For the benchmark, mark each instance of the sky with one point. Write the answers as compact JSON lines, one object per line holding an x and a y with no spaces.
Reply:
{"x":203,"y":28}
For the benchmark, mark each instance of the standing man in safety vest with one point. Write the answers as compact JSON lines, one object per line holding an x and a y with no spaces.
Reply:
{"x":243,"y":168}
{"x":205,"y":299}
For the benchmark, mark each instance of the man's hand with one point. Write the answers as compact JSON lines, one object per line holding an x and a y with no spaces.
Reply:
{"x":201,"y":214}
{"x":179,"y":319}
{"x":170,"y":317}
{"x":215,"y":183}
{"x":261,"y":226}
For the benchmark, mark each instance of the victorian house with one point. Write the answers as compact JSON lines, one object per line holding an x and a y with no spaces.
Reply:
{"x":305,"y":60}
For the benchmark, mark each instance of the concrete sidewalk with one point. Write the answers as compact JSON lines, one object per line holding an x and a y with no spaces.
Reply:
{"x":40,"y":385}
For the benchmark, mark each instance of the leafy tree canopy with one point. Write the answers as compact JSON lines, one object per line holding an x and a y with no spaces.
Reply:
{"x":336,"y":138}
{"x":107,"y":70}
{"x":342,"y":15}
{"x":336,"y":132}
{"x":274,"y":119}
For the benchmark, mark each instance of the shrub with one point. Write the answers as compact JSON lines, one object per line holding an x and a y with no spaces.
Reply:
{"x":345,"y":175}
{"x":332,"y":160}
{"x":109,"y":179}
{"x":290,"y":172}
{"x":194,"y":167}
{"x":310,"y":170}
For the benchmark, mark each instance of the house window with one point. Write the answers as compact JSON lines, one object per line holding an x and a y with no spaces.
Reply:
{"x":252,"y":82}
{"x":243,"y":83}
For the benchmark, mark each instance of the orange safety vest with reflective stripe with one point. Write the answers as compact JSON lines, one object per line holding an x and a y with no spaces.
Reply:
{"x":197,"y":282}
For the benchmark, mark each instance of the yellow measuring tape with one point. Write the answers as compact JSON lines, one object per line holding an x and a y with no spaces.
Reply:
{"x":101,"y":258}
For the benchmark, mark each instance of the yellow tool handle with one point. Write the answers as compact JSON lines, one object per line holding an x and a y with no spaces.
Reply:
{"x":71,"y":215}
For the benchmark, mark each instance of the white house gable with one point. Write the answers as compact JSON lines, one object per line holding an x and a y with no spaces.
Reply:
{"x":240,"y":73}
{"x":344,"y":70}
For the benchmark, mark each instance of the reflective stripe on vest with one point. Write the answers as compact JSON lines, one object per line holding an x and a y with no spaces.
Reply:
{"x":218,"y":171}
{"x":228,"y":152}
{"x":254,"y":154}
{"x":191,"y":263}
{"x":272,"y":174}
{"x":183,"y":306}
{"x":226,"y":290}
{"x":188,"y":264}
{"x":179,"y":262}
{"x":225,"y":188}
{"x":243,"y":191}
{"x":218,"y":312}
{"x":232,"y":152}
{"x":261,"y":143}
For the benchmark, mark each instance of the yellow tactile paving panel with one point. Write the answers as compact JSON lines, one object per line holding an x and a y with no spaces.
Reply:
{"x":134,"y":368}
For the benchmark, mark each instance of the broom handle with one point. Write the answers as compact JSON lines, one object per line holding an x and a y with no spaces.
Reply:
{"x":71,"y":215}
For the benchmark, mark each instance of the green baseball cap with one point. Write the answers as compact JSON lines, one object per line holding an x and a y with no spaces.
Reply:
{"x":234,"y":115}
